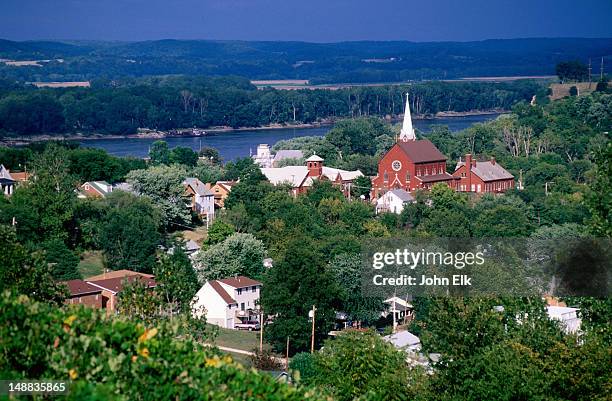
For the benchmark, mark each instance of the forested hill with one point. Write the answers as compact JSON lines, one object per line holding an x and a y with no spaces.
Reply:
{"x":318,"y":62}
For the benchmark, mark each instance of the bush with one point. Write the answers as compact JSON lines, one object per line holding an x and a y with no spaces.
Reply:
{"x":303,"y":362}
{"x":110,"y":357}
{"x":264,"y":360}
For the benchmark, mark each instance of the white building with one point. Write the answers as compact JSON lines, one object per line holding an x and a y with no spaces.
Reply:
{"x":404,"y":340}
{"x":393,"y":201}
{"x":202,"y":199}
{"x":570,"y":322}
{"x":7,"y":183}
{"x":263,"y":157}
{"x":228,"y":301}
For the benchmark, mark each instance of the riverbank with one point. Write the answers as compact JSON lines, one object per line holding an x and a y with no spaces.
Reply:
{"x":188,"y":133}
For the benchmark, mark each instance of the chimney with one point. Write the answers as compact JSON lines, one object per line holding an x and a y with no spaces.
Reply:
{"x":492,"y":160}
{"x":468,"y":160}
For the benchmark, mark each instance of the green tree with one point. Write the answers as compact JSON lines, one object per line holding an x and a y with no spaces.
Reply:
{"x":359,"y":365}
{"x":176,"y":280}
{"x":64,"y":262}
{"x":159,"y":153}
{"x":599,"y":196}
{"x":128,"y":233}
{"x":26,"y":273}
{"x":573,"y":91}
{"x":218,"y":232}
{"x":184,"y":156}
{"x":164,"y":186}
{"x":572,"y":71}
{"x":362,"y":186}
{"x":297,"y":282}
{"x":239,"y":254}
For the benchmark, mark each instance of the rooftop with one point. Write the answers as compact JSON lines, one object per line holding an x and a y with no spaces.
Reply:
{"x":421,"y":151}
{"x":239,"y":282}
{"x":488,"y":171}
{"x":80,"y":287}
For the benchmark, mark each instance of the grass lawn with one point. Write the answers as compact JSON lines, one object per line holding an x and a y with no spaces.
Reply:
{"x":239,"y":339}
{"x":91,"y":264}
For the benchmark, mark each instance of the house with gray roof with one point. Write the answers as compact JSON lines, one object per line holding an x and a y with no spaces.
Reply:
{"x":482,"y":176}
{"x":393,"y":201}
{"x":201,"y":198}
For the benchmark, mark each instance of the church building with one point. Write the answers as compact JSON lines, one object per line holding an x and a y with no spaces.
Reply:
{"x":411,"y":164}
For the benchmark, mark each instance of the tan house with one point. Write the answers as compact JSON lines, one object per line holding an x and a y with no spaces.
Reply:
{"x":221,"y":191}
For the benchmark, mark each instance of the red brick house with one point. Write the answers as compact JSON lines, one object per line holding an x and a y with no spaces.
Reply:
{"x":482,"y":177}
{"x":95,"y":189}
{"x":83,"y":293}
{"x":410,"y":164}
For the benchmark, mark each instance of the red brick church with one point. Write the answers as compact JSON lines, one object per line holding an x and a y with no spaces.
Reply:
{"x":411,"y":164}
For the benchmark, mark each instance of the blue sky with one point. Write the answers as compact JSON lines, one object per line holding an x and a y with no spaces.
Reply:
{"x":305,"y":20}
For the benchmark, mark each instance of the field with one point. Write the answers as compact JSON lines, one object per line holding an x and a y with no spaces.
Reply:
{"x":91,"y":264}
{"x":562,"y":90}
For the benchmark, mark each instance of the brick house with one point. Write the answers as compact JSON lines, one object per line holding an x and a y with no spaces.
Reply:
{"x":482,"y":177}
{"x":83,"y":293}
{"x":95,"y":189}
{"x":410,"y":164}
{"x":110,"y":284}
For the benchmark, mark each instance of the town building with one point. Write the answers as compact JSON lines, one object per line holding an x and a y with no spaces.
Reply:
{"x":83,"y":293}
{"x":94,"y":189}
{"x":228,"y":301}
{"x":410,"y":164}
{"x":9,"y":180}
{"x":393,"y":201}
{"x":221,"y":191}
{"x":482,"y":177}
{"x":101,"y":291}
{"x":112,"y":283}
{"x":201,"y":198}
{"x":264,"y":157}
{"x":287,"y":154}
{"x":301,"y":178}
{"x":7,"y":183}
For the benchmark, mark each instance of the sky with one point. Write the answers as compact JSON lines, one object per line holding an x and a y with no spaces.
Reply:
{"x":304,"y":20}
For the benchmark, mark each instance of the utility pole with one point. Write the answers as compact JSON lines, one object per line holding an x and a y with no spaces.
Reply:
{"x":312,"y":337}
{"x":261,"y":325}
{"x":287,"y":357}
{"x":590,"y":69}
{"x":601,"y":74}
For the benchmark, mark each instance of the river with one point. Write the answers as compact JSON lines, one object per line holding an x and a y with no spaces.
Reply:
{"x":234,"y":144}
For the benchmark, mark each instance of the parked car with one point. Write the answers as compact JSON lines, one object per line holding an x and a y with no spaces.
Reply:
{"x":250,"y":326}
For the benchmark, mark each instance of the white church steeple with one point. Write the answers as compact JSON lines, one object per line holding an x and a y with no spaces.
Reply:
{"x":407,"y":132}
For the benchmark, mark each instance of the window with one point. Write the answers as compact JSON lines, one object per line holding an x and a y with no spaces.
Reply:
{"x":386,"y":177}
{"x":253,"y":288}
{"x":408,"y":176}
{"x":242,"y":306}
{"x":463,"y":175}
{"x":239,"y":290}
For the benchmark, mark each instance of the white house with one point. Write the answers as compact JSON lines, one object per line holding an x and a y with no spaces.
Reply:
{"x":404,"y":340}
{"x":393,"y":201}
{"x":228,"y":301}
{"x":263,"y":157}
{"x":570,"y":322}
{"x":202,"y":199}
{"x":7,"y":183}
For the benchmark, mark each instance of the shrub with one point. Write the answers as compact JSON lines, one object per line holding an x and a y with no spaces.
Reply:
{"x":303,"y":362}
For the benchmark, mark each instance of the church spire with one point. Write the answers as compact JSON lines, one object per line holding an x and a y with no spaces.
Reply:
{"x":407,"y":132}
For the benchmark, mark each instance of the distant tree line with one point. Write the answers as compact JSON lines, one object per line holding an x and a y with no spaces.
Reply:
{"x":120,"y":108}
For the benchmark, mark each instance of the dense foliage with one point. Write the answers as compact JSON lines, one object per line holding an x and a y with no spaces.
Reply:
{"x":363,"y":61}
{"x":166,"y":103}
{"x":115,"y":358}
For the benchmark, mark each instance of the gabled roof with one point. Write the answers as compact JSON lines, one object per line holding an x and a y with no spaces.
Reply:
{"x":80,"y":287}
{"x":239,"y":282}
{"x":403,"y":195}
{"x":402,"y":339}
{"x":198,"y":186}
{"x":314,"y":158}
{"x":421,"y":151}
{"x":5,"y":174}
{"x":115,"y":285}
{"x":221,"y":291}
{"x":117,"y":273}
{"x":488,"y":171}
{"x":98,"y":186}
{"x":332,"y":173}
{"x":293,"y":175}
{"x":288,"y":154}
